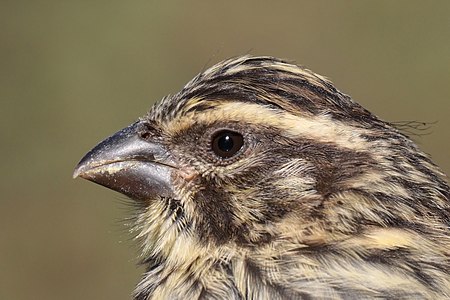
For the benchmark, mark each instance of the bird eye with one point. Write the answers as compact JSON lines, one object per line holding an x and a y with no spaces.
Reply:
{"x":227,"y":143}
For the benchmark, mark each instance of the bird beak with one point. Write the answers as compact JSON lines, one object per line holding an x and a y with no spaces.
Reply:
{"x":130,"y":165}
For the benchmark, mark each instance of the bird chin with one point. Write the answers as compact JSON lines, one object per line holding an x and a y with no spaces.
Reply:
{"x":139,"y":180}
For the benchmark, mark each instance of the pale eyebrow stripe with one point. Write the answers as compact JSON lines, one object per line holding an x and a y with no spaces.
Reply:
{"x":321,"y":128}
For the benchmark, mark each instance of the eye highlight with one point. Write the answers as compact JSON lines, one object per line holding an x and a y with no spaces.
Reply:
{"x":227,"y":143}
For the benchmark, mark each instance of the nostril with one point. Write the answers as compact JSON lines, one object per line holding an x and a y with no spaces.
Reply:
{"x":145,"y":135}
{"x":147,"y":130}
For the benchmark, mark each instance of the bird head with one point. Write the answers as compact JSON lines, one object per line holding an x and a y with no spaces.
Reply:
{"x":257,"y":152}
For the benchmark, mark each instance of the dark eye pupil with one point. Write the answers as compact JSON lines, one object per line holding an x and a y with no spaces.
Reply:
{"x":227,"y":143}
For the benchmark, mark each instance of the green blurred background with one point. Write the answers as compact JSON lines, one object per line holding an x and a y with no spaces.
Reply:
{"x":73,"y":72}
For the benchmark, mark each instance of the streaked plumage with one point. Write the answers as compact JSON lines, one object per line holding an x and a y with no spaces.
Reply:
{"x":322,"y":201}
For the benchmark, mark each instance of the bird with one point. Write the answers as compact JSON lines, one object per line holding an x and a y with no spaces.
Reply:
{"x":260,"y":180}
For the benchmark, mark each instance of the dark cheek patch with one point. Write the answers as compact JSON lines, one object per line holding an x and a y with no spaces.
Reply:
{"x":335,"y":165}
{"x":216,"y":215}
{"x":216,"y":211}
